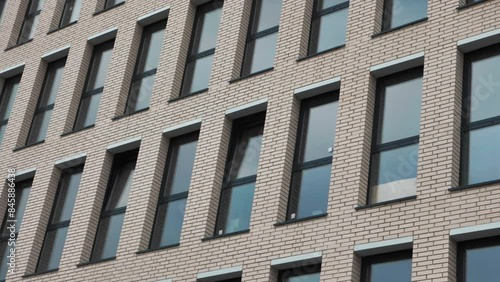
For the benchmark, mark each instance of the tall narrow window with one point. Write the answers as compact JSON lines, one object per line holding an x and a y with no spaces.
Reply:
{"x":236,"y":199}
{"x":481,"y":117}
{"x":262,"y":36}
{"x":478,"y":260}
{"x":114,"y":207}
{"x":94,"y":86}
{"x":46,"y":101}
{"x":329,"y":25}
{"x":313,"y":157}
{"x":71,"y":12}
{"x":111,"y":3}
{"x":389,"y":267}
{"x":30,"y":21}
{"x":9,"y":93}
{"x":306,"y":273}
{"x":396,"y":135}
{"x":2,"y":8}
{"x":174,"y":192}
{"x":402,"y":12}
{"x":202,"y":48}
{"x":145,"y":67}
{"x":57,"y":229}
{"x":22,"y":190}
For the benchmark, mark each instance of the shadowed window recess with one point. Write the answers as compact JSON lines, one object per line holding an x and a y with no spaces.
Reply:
{"x":329,"y":25}
{"x":30,"y":21}
{"x":401,"y":12}
{"x":71,"y":12}
{"x":478,"y":260}
{"x":388,"y":267}
{"x":7,"y":98}
{"x":306,"y":273}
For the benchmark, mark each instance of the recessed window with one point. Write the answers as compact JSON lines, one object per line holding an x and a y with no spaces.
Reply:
{"x":262,"y":36}
{"x":57,"y":229}
{"x":474,"y":1}
{"x":71,"y":12}
{"x":202,"y":47}
{"x":174,"y":191}
{"x":114,"y":206}
{"x":9,"y":93}
{"x":401,"y":12}
{"x":22,"y":191}
{"x":307,"y":273}
{"x":46,"y":101}
{"x":396,"y":135}
{"x":236,"y":200}
{"x":94,"y":85}
{"x":145,"y":67}
{"x":481,"y":117}
{"x":2,"y":8}
{"x":478,"y":260}
{"x":30,"y":21}
{"x":389,"y":267}
{"x":329,"y":25}
{"x":313,"y":157}
{"x":111,"y":3}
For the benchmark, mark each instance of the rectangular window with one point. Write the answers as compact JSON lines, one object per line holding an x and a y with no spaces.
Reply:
{"x":57,"y":229}
{"x":111,"y":3}
{"x":71,"y":12}
{"x":262,"y":36}
{"x":2,"y":8}
{"x":22,"y":191}
{"x":174,"y":191}
{"x":9,"y":93}
{"x":389,"y":267}
{"x":478,"y":260}
{"x":30,"y":21}
{"x":236,"y":199}
{"x":114,"y":206}
{"x":481,"y":117}
{"x":313,"y":157}
{"x":329,"y":25}
{"x":401,"y":12}
{"x":395,"y":136}
{"x":94,"y":85}
{"x":145,"y":67}
{"x":307,"y":273}
{"x":202,"y":48}
{"x":45,"y":106}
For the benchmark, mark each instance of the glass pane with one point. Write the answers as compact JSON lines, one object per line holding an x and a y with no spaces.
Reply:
{"x":404,"y":11}
{"x":52,"y":249}
{"x":28,"y":30}
{"x":180,"y":168}
{"x":52,"y":82}
{"x":67,"y":196}
{"x":35,"y":5}
{"x":314,"y":185}
{"x":260,"y":54}
{"x":237,"y":205}
{"x":140,"y":94}
{"x":197,"y":74}
{"x":152,"y":43}
{"x":394,"y":271}
{"x":99,"y":67}
{"x":482,"y":264}
{"x":121,"y":186}
{"x":87,"y":113}
{"x":323,"y":4}
{"x":111,"y":3}
{"x":4,"y":251}
{"x":267,"y":15}
{"x":329,"y":31}
{"x":484,"y":155}
{"x":71,"y":12}
{"x":319,"y":131}
{"x":39,"y":127}
{"x":108,"y":236}
{"x":485,"y":89}
{"x":3,"y":128}
{"x":206,"y":30}
{"x":401,"y":110}
{"x":2,"y":7}
{"x":305,"y":278}
{"x":9,"y":93}
{"x":246,"y":155}
{"x":168,"y":225}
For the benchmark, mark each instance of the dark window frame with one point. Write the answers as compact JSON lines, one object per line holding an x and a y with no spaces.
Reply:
{"x":368,"y":261}
{"x":28,"y":16}
{"x":462,"y":248}
{"x":63,"y":14}
{"x":387,"y":17}
{"x":298,"y":271}
{"x":11,"y":80}
{"x":107,"y":4}
{"x":316,"y":17}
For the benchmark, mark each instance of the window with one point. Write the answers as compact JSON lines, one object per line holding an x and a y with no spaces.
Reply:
{"x":114,"y":207}
{"x":22,"y":190}
{"x":111,"y":3}
{"x":9,"y":92}
{"x":329,"y":25}
{"x":307,"y":273}
{"x":236,"y":199}
{"x":71,"y":12}
{"x":313,"y":157}
{"x":94,"y":86}
{"x":202,"y":48}
{"x":481,"y":117}
{"x":401,"y":12}
{"x":478,"y":260}
{"x":30,"y":21}
{"x":2,"y":8}
{"x":473,"y":1}
{"x":45,"y":106}
{"x":262,"y":36}
{"x":145,"y":67}
{"x":390,"y":267}
{"x":174,"y":191}
{"x":396,"y":135}
{"x":57,"y":229}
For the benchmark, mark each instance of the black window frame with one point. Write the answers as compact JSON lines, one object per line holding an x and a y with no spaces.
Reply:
{"x":64,"y":13}
{"x":387,"y":17}
{"x":29,"y":16}
{"x":316,"y":18}
{"x":368,"y":261}
{"x":298,"y":271}
{"x":462,"y":248}
{"x":9,"y":81}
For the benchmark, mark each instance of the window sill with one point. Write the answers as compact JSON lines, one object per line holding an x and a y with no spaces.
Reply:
{"x":62,"y":27}
{"x":400,"y":200}
{"x":189,"y":95}
{"x":27,"y":146}
{"x":291,"y":221}
{"x":39,"y":273}
{"x":465,"y":6}
{"x":157,"y":249}
{"x":251,"y":75}
{"x":476,"y":185}
{"x":78,"y":130}
{"x":225,"y":235}
{"x":107,"y":9}
{"x":130,"y":114}
{"x":399,"y":27}
{"x":95,"y":262}
{"x":321,"y":53}
{"x":17,"y":45}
